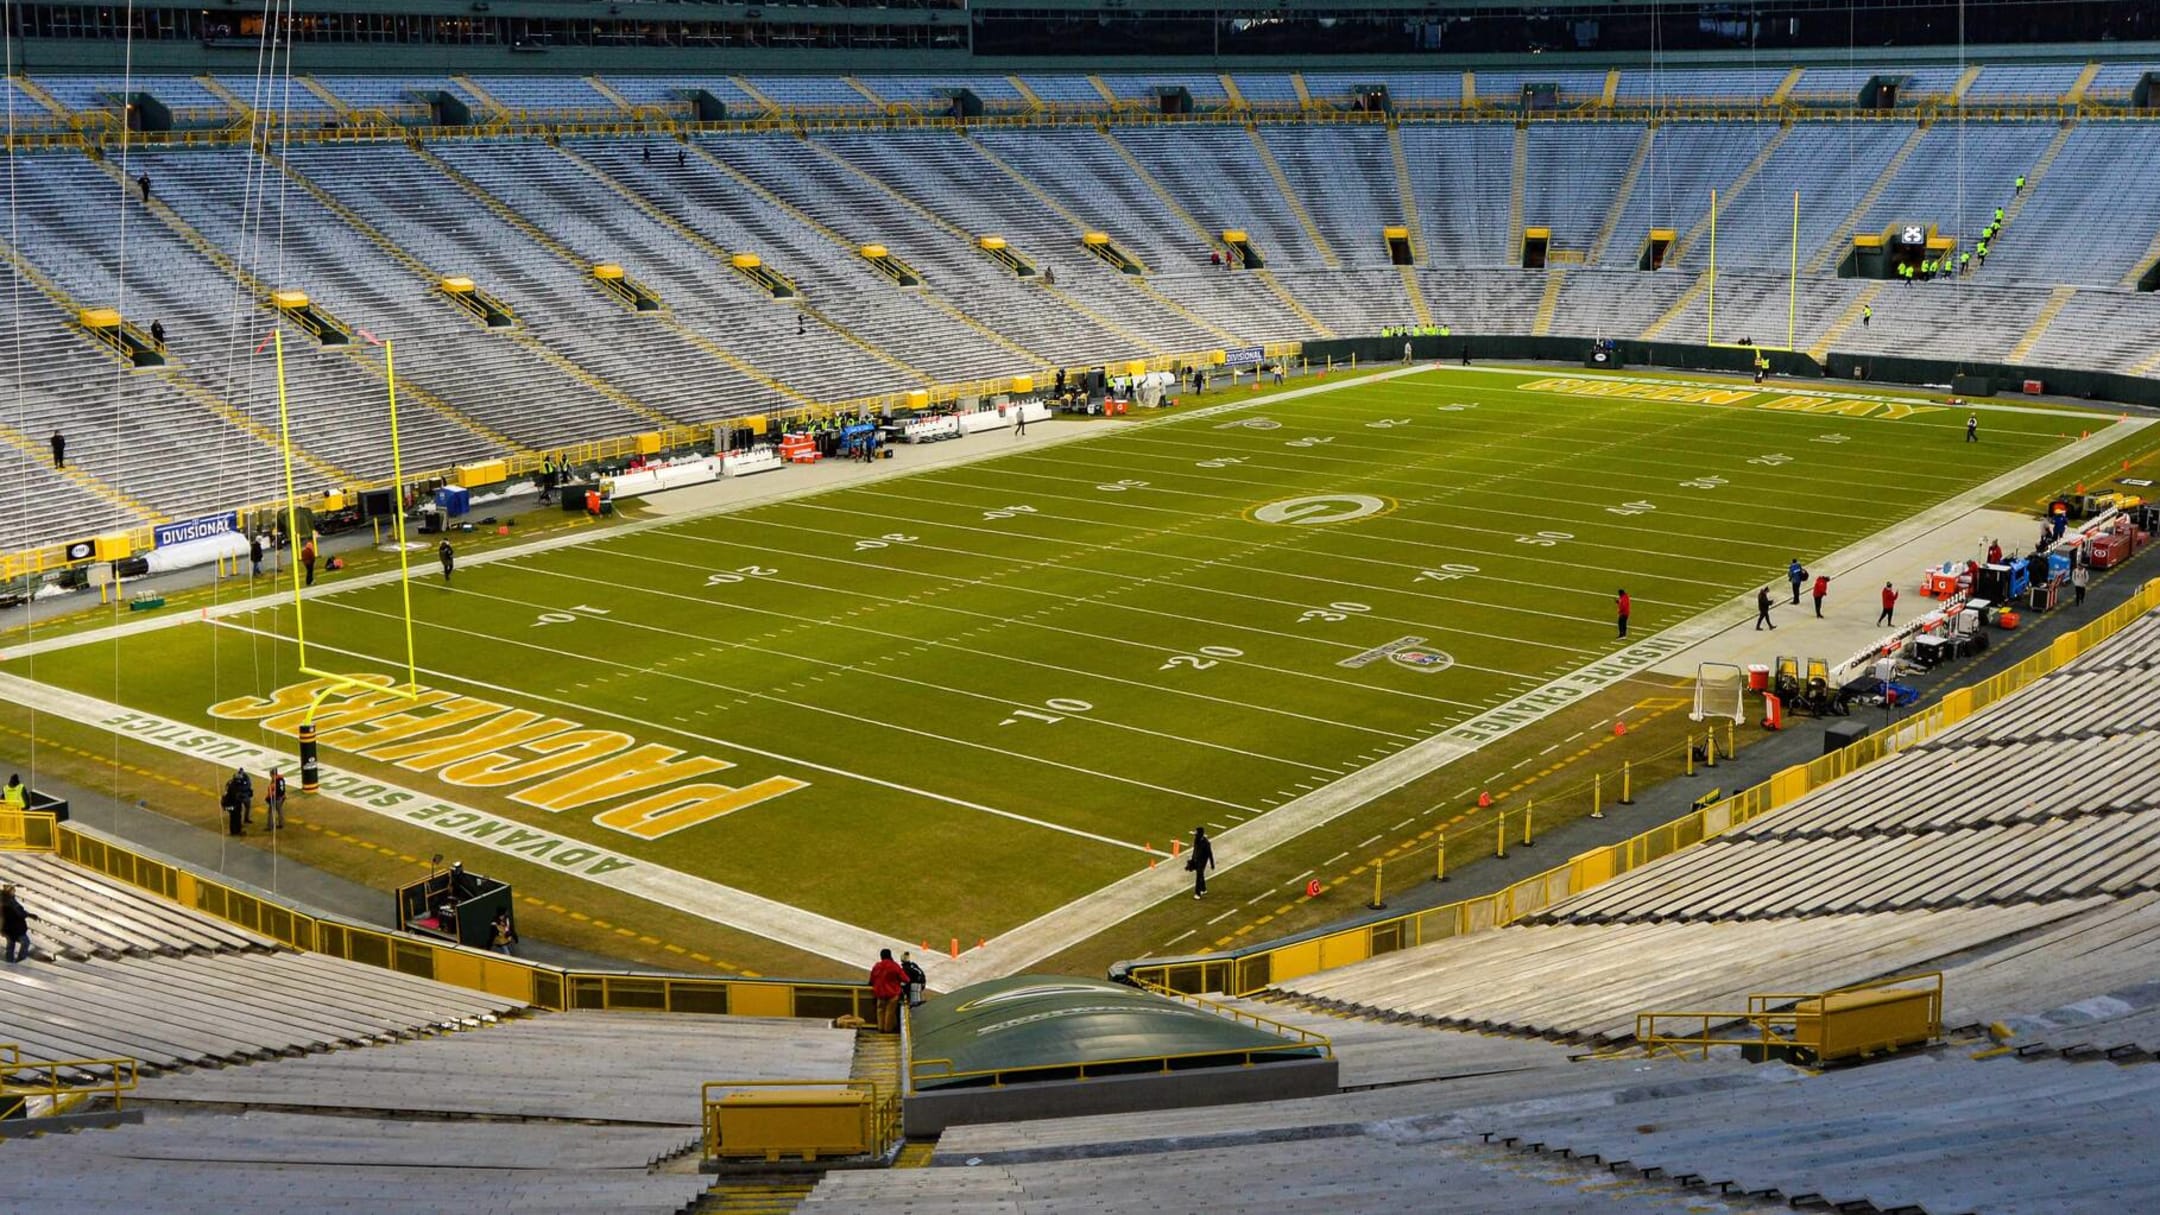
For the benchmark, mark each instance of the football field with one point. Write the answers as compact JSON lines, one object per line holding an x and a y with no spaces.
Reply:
{"x":971,"y":694}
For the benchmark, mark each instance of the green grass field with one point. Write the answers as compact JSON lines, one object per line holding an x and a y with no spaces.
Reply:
{"x":961,"y":698}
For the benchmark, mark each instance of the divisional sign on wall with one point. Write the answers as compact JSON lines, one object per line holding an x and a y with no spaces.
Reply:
{"x":198,"y":529}
{"x":1243,"y":357}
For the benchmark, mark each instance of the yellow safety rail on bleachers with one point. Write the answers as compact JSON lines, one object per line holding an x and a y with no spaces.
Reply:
{"x":1304,"y":1037}
{"x":28,"y":831}
{"x":1256,"y":967}
{"x":1826,"y":1027}
{"x":774,"y":1120}
{"x":114,"y":1078}
{"x":920,"y":1070}
{"x":546,"y":987}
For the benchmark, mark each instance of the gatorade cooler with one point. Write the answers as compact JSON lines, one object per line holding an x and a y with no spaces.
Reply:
{"x":1758,"y":677}
{"x":2006,"y":619}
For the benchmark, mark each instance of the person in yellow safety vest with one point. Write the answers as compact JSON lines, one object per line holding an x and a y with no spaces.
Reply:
{"x":2020,"y":183}
{"x":1965,"y":262}
{"x":1446,"y":332}
{"x":1998,"y":215}
{"x":15,"y":796}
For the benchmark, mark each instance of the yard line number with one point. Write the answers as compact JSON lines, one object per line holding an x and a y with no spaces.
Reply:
{"x":1007,"y":512}
{"x":1059,"y":709}
{"x":885,"y":541}
{"x":729,"y":577}
{"x":1333,"y":613}
{"x":1207,"y":656}
{"x":1450,"y":572}
{"x":569,"y":615}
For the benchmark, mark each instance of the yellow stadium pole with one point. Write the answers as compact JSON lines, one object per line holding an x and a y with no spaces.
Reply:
{"x":397,"y":500}
{"x":1711,"y":338}
{"x":292,"y":501}
{"x":1792,"y":303}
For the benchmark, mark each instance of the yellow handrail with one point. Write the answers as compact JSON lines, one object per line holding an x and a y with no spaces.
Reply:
{"x":1765,"y":1018}
{"x":542,"y":986}
{"x":120,"y":1075}
{"x":921,"y":1069}
{"x":1303,"y":1036}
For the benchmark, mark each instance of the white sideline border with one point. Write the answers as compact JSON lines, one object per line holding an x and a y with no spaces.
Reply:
{"x":1108,"y":905}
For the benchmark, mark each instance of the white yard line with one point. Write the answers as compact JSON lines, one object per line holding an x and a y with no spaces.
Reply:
{"x":633,"y":669}
{"x":1098,"y":911}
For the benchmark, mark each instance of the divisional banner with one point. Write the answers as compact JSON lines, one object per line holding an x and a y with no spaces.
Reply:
{"x":198,"y":529}
{"x":1243,"y":357}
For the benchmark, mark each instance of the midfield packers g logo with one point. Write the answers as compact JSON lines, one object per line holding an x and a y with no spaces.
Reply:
{"x":1321,"y":508}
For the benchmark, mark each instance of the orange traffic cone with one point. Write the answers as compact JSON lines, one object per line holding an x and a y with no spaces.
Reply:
{"x":1174,"y":846}
{"x":956,"y":949}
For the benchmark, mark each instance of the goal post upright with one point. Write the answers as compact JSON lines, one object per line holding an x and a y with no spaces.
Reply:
{"x":340,"y":681}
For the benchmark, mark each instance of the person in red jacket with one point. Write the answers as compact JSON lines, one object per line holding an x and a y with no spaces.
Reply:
{"x":1889,"y":604}
{"x":1822,"y":588}
{"x":1623,"y":605}
{"x":887,"y":982}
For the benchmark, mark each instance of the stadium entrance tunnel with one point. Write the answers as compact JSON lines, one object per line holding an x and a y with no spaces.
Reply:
{"x":1055,"y":1046}
{"x":1099,"y":244}
{"x":119,"y":336}
{"x":1399,"y":252}
{"x":1656,"y":249}
{"x":1241,"y":249}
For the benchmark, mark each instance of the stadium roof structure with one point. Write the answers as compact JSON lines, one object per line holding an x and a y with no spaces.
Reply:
{"x":1050,"y":1027}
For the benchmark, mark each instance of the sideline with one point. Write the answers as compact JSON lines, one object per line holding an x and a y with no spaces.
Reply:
{"x":940,"y":456}
{"x":1103,"y":909}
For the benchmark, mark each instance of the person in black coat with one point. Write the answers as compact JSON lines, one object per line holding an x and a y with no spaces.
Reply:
{"x":59,"y":450}
{"x":448,"y":557}
{"x":1200,"y":860}
{"x":14,"y":925}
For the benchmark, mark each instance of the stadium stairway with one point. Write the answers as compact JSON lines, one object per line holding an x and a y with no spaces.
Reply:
{"x":1291,"y":200}
{"x":547,"y":242}
{"x":777,"y":203}
{"x":1733,"y":190}
{"x":411,"y":389}
{"x":1209,"y":240}
{"x":1833,"y":249}
{"x":1626,"y":190}
{"x":1845,"y":321}
{"x":934,"y":298}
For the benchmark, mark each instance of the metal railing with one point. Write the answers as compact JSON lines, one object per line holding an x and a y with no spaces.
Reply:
{"x":1256,"y":967}
{"x":29,"y":831}
{"x":942,"y":1070}
{"x":113,"y":1077}
{"x":1774,"y":1020}
{"x":548,"y":987}
{"x":1303,"y":1037}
